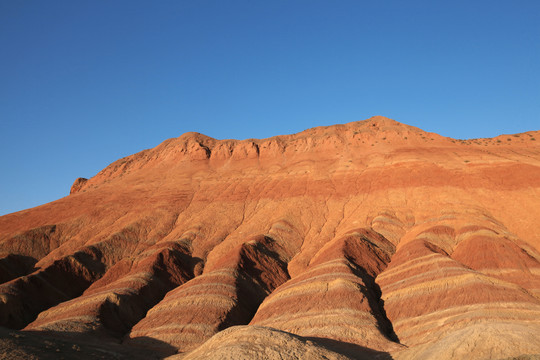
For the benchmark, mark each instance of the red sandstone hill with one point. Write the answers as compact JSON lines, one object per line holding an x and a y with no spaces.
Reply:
{"x":371,"y":239}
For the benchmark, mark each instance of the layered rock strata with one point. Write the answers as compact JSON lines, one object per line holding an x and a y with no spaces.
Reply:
{"x":371,"y":239}
{"x":446,"y":299}
{"x":336,"y":297}
{"x":226,"y":295}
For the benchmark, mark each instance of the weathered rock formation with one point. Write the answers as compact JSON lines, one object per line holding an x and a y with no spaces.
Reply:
{"x":77,"y":185}
{"x":371,"y":239}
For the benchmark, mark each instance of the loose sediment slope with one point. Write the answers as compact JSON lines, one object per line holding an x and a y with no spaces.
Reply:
{"x":371,"y":239}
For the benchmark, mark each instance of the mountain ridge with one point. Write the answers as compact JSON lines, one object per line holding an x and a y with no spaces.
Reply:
{"x":360,"y":134}
{"x":361,"y":239}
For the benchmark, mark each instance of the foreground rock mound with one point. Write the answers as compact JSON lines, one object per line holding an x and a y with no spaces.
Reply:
{"x":371,"y":239}
{"x":258,"y":342}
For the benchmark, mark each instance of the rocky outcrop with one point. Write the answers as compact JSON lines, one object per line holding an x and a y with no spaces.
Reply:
{"x":78,"y":184}
{"x":257,"y":342}
{"x":371,"y":239}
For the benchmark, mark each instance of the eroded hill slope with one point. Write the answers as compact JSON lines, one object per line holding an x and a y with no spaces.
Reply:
{"x":369,"y":239}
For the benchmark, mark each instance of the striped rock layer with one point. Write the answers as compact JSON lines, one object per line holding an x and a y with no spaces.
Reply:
{"x":371,"y":239}
{"x":476,"y":303}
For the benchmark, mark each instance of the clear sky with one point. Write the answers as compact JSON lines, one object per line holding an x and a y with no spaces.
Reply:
{"x":84,"y":83}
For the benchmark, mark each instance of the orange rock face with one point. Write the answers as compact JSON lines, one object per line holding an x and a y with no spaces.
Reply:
{"x":371,"y":239}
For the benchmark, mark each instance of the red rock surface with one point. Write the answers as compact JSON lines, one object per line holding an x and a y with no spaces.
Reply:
{"x":77,"y":185}
{"x":371,"y":238}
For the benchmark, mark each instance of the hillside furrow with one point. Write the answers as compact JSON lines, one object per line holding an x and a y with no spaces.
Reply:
{"x":227,"y":294}
{"x":110,"y":308}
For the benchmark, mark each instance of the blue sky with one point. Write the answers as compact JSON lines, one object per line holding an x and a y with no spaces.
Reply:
{"x":83,"y":83}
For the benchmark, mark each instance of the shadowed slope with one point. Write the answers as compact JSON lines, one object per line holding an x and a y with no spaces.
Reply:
{"x":335,"y":298}
{"x":226,"y":295}
{"x":14,"y":266}
{"x":23,"y":298}
{"x":111,"y":308}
